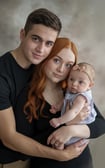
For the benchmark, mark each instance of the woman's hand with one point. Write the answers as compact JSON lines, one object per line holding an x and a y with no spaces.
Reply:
{"x":61,"y":136}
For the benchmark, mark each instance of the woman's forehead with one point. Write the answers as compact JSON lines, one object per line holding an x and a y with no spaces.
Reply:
{"x":67,"y":54}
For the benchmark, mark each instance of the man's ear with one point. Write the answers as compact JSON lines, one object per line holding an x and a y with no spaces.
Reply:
{"x":22,"y":34}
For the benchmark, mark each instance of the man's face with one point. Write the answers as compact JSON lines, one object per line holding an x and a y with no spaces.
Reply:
{"x":37,"y":44}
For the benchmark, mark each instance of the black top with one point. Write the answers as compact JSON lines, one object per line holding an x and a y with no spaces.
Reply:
{"x":44,"y":130}
{"x":13,"y":79}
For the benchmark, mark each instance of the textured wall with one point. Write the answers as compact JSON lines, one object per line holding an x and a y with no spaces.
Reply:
{"x":83,"y":22}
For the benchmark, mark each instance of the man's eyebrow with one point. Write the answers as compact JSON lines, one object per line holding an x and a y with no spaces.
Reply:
{"x":35,"y":35}
{"x":41,"y":39}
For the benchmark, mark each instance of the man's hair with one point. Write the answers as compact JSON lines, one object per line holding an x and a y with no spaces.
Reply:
{"x":45,"y":17}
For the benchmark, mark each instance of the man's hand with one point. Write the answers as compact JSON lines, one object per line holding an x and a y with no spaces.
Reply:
{"x":72,"y":151}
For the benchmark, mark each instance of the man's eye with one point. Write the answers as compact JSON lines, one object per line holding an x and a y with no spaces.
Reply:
{"x":49,"y":44}
{"x":35,"y":38}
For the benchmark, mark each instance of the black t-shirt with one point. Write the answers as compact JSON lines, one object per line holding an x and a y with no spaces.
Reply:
{"x":13,"y":79}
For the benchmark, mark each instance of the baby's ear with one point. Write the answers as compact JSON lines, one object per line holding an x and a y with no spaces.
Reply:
{"x":91,"y":84}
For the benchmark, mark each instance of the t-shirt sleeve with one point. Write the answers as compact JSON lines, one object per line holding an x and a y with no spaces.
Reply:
{"x":97,"y":128}
{"x":4,"y":94}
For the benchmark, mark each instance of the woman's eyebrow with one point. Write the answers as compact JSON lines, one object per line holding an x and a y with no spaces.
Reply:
{"x":62,"y":59}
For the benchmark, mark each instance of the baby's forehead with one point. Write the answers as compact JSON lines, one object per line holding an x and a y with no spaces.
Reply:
{"x":86,"y":68}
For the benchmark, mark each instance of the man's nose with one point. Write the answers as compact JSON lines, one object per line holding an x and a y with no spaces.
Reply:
{"x":40,"y":47}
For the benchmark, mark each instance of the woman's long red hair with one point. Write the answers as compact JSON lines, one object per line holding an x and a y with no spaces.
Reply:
{"x":35,"y":94}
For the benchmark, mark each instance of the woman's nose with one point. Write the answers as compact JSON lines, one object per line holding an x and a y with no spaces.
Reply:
{"x":61,"y":68}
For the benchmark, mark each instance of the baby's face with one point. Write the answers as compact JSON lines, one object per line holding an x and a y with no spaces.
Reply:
{"x":78,"y":82}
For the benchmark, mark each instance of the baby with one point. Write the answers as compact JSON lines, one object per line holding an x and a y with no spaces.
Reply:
{"x":79,"y":84}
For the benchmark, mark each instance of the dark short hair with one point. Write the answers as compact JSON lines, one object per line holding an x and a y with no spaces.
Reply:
{"x":45,"y":17}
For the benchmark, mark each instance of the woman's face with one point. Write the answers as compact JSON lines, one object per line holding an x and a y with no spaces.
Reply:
{"x":58,"y":67}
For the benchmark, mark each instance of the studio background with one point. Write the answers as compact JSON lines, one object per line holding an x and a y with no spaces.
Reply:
{"x":83,"y":22}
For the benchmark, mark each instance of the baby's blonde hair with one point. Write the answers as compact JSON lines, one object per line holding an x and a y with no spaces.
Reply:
{"x":86,"y":68}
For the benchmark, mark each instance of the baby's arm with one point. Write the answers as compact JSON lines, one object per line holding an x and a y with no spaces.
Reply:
{"x":77,"y":106}
{"x":70,"y":114}
{"x":82,"y":115}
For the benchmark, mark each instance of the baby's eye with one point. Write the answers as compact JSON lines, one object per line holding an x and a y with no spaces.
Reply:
{"x":71,"y":79}
{"x":81,"y":82}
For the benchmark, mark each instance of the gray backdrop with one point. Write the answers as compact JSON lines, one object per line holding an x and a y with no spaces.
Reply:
{"x":83,"y":22}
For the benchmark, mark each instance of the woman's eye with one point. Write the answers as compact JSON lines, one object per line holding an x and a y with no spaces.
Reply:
{"x":56,"y":60}
{"x":68,"y":65}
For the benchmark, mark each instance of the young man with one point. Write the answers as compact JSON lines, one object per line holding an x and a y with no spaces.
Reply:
{"x":37,"y":38}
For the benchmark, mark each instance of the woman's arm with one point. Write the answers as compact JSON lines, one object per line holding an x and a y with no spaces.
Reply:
{"x":65,"y":133}
{"x":97,"y":128}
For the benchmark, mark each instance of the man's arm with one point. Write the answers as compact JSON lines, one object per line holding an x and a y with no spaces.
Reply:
{"x":97,"y":128}
{"x":21,"y":143}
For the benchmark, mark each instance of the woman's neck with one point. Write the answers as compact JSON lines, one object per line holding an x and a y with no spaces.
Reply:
{"x":51,"y":85}
{"x":52,"y":93}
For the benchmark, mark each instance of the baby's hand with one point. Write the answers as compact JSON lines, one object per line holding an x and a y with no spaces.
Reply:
{"x":54,"y":122}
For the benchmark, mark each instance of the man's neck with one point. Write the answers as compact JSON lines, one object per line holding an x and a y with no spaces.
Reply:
{"x":20,"y":58}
